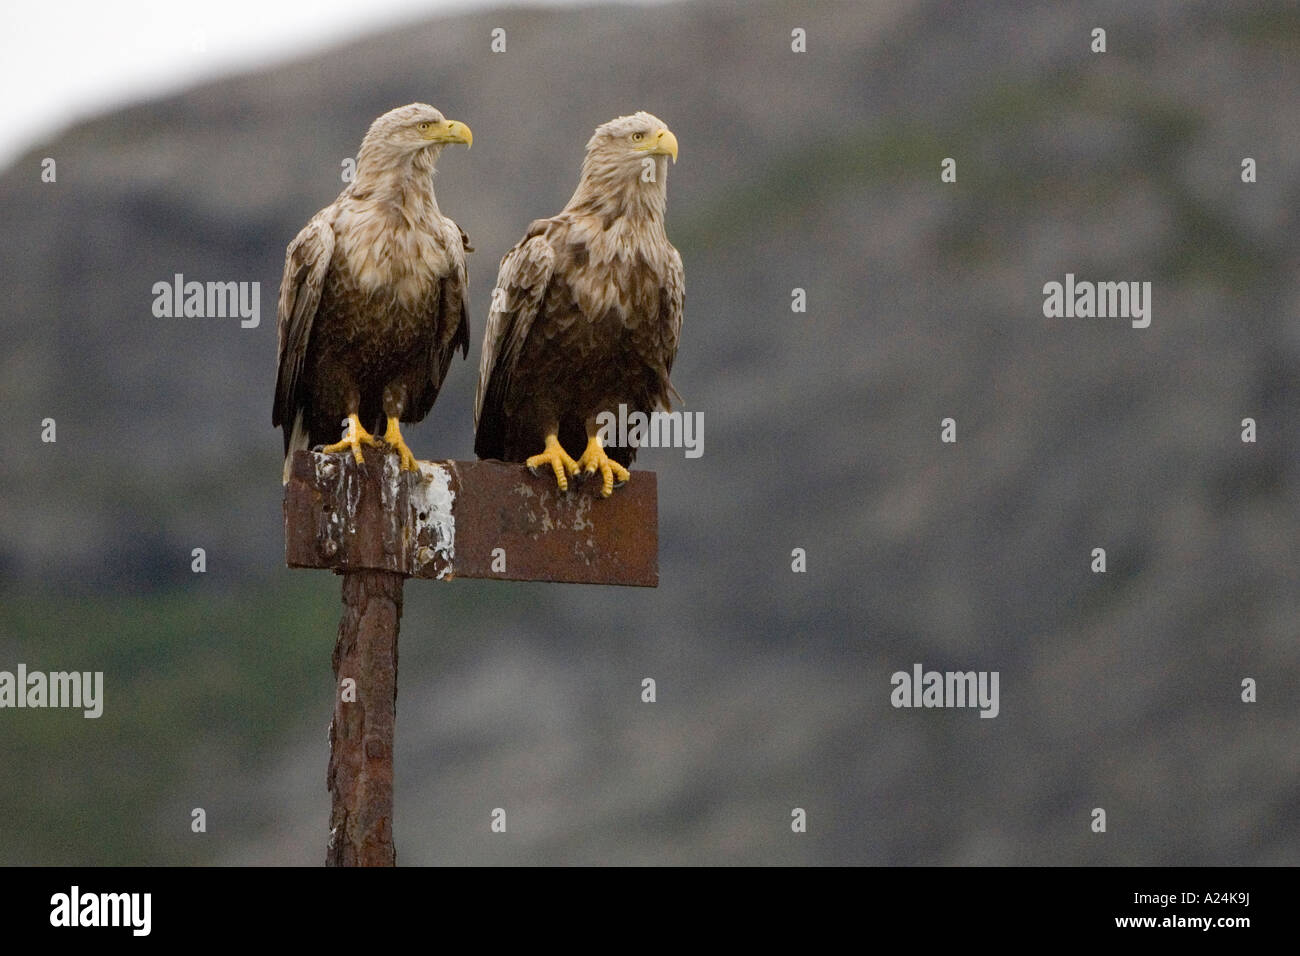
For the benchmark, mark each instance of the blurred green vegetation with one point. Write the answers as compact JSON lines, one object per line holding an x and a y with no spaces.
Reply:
{"x":1014,"y":181}
{"x":1266,"y":24}
{"x":200,"y":683}
{"x":195,"y":683}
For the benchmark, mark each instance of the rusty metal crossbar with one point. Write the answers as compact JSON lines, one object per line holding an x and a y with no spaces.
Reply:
{"x":468,"y":519}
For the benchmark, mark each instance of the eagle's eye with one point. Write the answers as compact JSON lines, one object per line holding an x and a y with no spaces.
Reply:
{"x":424,"y":126}
{"x":637,"y":137}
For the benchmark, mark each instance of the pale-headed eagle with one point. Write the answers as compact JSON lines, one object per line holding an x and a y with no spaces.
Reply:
{"x":587,"y":313}
{"x":373,"y":299}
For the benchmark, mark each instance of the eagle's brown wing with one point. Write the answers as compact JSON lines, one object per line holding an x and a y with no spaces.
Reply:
{"x":306,"y":262}
{"x":525,"y":273}
{"x":672,"y":306}
{"x":452,"y":318}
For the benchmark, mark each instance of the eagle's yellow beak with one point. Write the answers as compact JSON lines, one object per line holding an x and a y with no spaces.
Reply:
{"x":663,"y":143}
{"x":449,"y":131}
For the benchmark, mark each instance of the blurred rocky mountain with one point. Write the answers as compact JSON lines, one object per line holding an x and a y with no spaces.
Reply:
{"x":816,"y":170}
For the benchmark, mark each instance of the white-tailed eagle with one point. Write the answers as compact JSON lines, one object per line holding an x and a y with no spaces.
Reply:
{"x":587,"y":314}
{"x":373,"y":300}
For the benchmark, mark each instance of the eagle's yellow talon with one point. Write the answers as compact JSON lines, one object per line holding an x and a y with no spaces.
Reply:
{"x":555,"y":456}
{"x":393,"y":437}
{"x":354,"y":436}
{"x":595,"y":460}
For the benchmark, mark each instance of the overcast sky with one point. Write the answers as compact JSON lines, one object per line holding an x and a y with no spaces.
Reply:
{"x":62,"y":61}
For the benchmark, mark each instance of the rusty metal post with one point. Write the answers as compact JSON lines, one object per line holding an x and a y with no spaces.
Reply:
{"x":377,"y":526}
{"x":360,"y":774}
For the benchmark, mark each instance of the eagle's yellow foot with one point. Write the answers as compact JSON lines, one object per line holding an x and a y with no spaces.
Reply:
{"x":558,"y":459}
{"x":595,"y":460}
{"x":393,"y":436}
{"x":353,"y":438}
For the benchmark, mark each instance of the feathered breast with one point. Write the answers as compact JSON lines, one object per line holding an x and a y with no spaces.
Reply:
{"x":617,"y":270}
{"x":393,"y":255}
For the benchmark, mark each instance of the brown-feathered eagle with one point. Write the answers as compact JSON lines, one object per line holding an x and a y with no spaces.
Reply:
{"x":373,"y":299}
{"x":586,"y":314}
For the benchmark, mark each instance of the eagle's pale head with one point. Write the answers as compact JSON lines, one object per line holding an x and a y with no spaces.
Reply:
{"x":412,"y":128}
{"x":627,"y":142}
{"x":626,"y":167}
{"x":397,"y":157}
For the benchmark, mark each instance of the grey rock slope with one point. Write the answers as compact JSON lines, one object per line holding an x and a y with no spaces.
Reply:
{"x":818,"y":171}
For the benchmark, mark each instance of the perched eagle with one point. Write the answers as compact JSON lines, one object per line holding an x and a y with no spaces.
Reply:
{"x":373,"y":299}
{"x":586,"y":314}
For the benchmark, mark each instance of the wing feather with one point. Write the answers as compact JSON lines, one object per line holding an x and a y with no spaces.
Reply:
{"x":461,"y":288}
{"x":525,"y":273}
{"x":306,"y":263}
{"x":672,"y":305}
{"x":453,"y":308}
